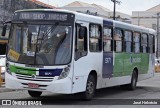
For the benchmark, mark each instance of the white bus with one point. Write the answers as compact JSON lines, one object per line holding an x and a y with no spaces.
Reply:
{"x":67,"y":52}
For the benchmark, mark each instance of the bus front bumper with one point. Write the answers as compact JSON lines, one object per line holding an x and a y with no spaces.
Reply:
{"x":63,"y":86}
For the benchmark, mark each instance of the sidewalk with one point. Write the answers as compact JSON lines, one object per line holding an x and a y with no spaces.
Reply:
{"x":3,"y":89}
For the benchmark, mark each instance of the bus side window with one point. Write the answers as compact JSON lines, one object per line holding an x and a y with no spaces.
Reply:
{"x":118,"y":40}
{"x":151,"y":43}
{"x":80,"y":42}
{"x":144,"y":43}
{"x":107,"y":39}
{"x":128,"y":41}
{"x":136,"y":42}
{"x":95,"y":38}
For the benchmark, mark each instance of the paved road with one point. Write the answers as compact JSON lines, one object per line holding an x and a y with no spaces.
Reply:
{"x":147,"y":89}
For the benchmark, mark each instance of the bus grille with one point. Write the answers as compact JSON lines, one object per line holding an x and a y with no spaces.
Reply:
{"x":37,"y":78}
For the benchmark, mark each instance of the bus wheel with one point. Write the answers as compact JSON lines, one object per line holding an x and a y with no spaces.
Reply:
{"x":90,"y":88}
{"x":34,"y":93}
{"x":133,"y":84}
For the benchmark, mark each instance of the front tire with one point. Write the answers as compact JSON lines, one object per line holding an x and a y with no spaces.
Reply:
{"x":34,"y":93}
{"x":90,"y":88}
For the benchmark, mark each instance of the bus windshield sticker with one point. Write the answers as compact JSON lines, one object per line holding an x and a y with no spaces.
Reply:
{"x":29,"y":53}
{"x":13,"y":55}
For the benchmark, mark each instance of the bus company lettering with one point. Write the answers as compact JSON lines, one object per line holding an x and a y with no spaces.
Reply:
{"x":131,"y":60}
{"x":38,"y":16}
{"x":32,"y":16}
{"x":108,"y":60}
{"x":22,"y":71}
{"x":48,"y":73}
{"x":57,"y":17}
{"x":135,"y":60}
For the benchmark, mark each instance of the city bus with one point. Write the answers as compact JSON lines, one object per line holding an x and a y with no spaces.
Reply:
{"x":67,"y":52}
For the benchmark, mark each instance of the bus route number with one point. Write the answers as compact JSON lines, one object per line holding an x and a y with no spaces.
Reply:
{"x":108,"y":60}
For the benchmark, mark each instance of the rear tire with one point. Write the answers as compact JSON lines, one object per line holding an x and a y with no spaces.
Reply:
{"x":34,"y":93}
{"x":133,"y":84}
{"x":90,"y":88}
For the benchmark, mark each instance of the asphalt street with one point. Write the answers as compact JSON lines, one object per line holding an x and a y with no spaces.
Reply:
{"x":146,"y":90}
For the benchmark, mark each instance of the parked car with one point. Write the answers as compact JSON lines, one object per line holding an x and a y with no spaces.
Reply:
{"x":157,"y":65}
{"x":2,"y":64}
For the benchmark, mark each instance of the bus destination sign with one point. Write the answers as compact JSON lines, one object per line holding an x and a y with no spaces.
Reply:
{"x":42,"y":16}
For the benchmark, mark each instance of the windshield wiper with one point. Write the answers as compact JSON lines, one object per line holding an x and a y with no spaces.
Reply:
{"x":48,"y":31}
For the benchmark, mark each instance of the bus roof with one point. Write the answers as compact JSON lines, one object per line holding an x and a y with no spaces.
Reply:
{"x":118,"y":24}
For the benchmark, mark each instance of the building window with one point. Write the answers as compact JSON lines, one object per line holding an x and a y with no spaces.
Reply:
{"x":128,"y":41}
{"x":144,"y":41}
{"x":136,"y":43}
{"x":95,"y":38}
{"x":118,"y":40}
{"x":107,"y":39}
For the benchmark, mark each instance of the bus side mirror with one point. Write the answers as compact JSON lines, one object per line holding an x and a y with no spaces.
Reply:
{"x":82,"y":32}
{"x":4,"y":30}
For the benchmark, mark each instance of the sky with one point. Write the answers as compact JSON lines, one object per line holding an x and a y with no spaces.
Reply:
{"x":126,"y":6}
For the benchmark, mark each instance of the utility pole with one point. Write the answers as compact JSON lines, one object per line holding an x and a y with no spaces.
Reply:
{"x":114,"y":8}
{"x":158,"y":34}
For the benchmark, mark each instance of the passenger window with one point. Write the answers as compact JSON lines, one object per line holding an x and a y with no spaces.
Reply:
{"x":95,"y":43}
{"x":136,"y":43}
{"x":144,"y":42}
{"x":80,"y":43}
{"x":107,"y":39}
{"x":118,"y":40}
{"x":128,"y":41}
{"x":151,"y":43}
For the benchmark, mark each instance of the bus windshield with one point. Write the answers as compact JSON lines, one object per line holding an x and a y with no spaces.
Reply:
{"x":40,"y":44}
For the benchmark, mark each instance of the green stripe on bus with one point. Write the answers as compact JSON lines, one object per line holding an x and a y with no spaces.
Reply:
{"x":22,"y":70}
{"x":125,"y":63}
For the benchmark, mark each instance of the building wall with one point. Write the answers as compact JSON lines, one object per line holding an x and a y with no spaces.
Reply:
{"x":146,"y":19}
{"x":100,"y":12}
{"x":91,"y":10}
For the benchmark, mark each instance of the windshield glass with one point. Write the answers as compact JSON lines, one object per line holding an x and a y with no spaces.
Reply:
{"x":42,"y":44}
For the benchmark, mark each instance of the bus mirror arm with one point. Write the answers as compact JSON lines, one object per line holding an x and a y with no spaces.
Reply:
{"x":82,"y":32}
{"x":5,"y":28}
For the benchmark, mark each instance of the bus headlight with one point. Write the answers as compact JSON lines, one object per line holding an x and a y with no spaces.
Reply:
{"x":8,"y":68}
{"x":65,"y":73}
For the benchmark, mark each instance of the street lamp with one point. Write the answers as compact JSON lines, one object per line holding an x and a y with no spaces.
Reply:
{"x":114,"y":12}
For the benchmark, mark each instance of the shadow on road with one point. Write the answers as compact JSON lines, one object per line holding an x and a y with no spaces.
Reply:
{"x":102,"y":97}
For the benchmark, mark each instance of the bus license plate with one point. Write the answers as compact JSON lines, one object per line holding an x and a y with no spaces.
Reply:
{"x":32,"y":85}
